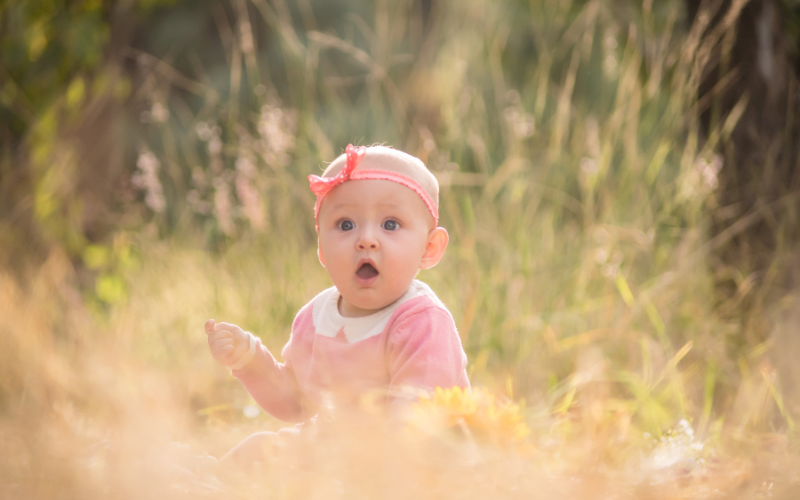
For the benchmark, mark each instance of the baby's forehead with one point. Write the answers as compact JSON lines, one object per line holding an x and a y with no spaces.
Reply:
{"x":363,"y":193}
{"x":371,"y":195}
{"x":392,"y":160}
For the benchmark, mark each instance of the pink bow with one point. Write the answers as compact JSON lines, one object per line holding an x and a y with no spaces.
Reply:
{"x":321,"y":186}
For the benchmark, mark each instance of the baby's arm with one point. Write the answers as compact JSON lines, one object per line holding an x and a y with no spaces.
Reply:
{"x":271,"y":384}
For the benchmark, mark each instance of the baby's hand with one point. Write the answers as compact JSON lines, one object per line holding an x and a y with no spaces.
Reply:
{"x":228,"y":342}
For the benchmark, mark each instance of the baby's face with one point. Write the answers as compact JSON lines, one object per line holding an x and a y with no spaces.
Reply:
{"x":374,"y":236}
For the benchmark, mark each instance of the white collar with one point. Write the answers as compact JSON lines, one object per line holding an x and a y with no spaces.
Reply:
{"x":328,"y":322}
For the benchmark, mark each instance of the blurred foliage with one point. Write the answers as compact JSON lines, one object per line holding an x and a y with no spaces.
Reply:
{"x":58,"y":72}
{"x":47,"y":46}
{"x":792,"y":24}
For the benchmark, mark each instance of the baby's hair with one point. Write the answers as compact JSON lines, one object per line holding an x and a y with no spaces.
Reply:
{"x":380,"y":157}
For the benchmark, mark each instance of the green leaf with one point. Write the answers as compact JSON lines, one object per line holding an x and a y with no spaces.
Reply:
{"x":75,"y":93}
{"x":96,"y":256}
{"x":110,"y":289}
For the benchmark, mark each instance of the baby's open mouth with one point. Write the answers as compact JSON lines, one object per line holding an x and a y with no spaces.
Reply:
{"x":366,"y":271}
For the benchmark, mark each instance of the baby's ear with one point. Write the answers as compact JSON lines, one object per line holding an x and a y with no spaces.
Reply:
{"x":434,"y":250}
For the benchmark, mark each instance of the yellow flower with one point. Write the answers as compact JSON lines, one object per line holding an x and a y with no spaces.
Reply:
{"x":478,"y":414}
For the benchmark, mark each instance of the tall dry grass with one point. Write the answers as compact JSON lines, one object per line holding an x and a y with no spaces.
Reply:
{"x":576,"y":191}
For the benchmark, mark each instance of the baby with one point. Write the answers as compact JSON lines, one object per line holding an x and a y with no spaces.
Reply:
{"x":377,"y":329}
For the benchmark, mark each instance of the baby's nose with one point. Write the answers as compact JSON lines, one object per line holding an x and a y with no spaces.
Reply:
{"x":364,"y":245}
{"x":367,"y":241}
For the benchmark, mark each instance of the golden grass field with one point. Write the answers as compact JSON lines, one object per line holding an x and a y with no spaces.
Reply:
{"x":581,"y":271}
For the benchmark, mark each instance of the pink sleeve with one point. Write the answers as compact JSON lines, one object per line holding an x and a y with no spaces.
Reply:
{"x":425,"y":351}
{"x":273,"y":385}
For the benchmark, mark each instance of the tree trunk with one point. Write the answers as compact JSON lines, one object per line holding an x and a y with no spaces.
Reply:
{"x":760,"y":179}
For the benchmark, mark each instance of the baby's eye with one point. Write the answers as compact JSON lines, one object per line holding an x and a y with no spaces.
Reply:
{"x":346,"y":225}
{"x":391,"y":225}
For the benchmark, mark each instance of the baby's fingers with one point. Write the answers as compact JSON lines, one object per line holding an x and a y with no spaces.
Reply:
{"x":235,"y":330}
{"x":216,"y":344}
{"x":209,"y":326}
{"x":222,"y":348}
{"x":214,"y":336}
{"x":222,"y":353}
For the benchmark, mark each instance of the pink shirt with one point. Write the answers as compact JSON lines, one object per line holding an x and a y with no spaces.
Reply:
{"x":333,"y":360}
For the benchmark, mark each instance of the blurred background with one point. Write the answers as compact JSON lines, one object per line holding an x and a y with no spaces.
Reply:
{"x":620,"y":181}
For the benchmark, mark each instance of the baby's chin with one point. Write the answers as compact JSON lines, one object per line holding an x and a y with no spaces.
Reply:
{"x":368,"y":302}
